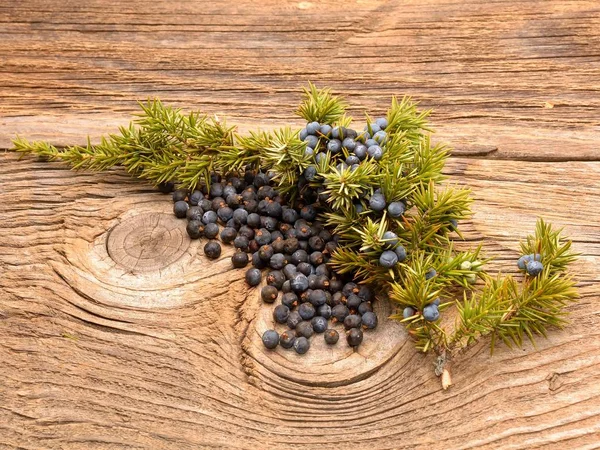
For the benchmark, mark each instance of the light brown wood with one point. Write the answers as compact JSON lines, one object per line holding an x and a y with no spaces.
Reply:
{"x":117,"y":332}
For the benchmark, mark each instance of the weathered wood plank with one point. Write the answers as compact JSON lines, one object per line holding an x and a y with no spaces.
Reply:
{"x":168,"y":357}
{"x":517,"y":79}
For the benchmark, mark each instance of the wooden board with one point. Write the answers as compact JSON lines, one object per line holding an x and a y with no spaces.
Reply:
{"x":116,"y":332}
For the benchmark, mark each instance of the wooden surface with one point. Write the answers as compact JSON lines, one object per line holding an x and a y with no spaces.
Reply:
{"x":116,"y":333}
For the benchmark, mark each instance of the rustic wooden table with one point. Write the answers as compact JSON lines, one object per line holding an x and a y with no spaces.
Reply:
{"x":116,"y":333}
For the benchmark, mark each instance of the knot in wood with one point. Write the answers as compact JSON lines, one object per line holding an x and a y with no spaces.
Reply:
{"x":147,"y":242}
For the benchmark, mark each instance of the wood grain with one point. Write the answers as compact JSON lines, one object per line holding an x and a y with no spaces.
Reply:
{"x":117,"y":332}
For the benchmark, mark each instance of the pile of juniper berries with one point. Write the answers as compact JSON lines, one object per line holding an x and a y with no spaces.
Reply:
{"x":289,"y":246}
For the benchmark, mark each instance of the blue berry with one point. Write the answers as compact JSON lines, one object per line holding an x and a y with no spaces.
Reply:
{"x":400,"y":253}
{"x":331,"y":336}
{"x":354,"y":337}
{"x":352,"y":321}
{"x":382,"y":123}
{"x":270,"y":339}
{"x":195,"y":198}
{"x":377,"y":202}
{"x":325,"y":130}
{"x":370,"y":143}
{"x":324,"y":311}
{"x":339,"y":312}
{"x":380,"y":137}
{"x":304,"y":328}
{"x":375,"y":152}
{"x":408,"y":312}
{"x":312,"y":128}
{"x":353,"y":301}
{"x":193,"y":229}
{"x":523,"y":260}
{"x":374,"y":128}
{"x":431,"y":313}
{"x":311,"y":141}
{"x":364,"y":307}
{"x":436,"y":302}
{"x":349,"y":144}
{"x":180,"y":209}
{"x":366,"y":293}
{"x":211,"y":230}
{"x":180,"y":195}
{"x":396,"y":209}
{"x":430,"y":273}
{"x":287,"y":338}
{"x":360,"y":151}
{"x":253,"y":276}
{"x":294,"y":319}
{"x":268,"y":294}
{"x":239,"y":259}
{"x":303,"y":134}
{"x":334,"y":146}
{"x":307,"y":311}
{"x":212,"y":250}
{"x":369,"y":320}
{"x":240,"y":216}
{"x":310,"y":173}
{"x":351,"y":160}
{"x":209,"y":217}
{"x":359,"y":208}
{"x":534,"y":268}
{"x":320,"y":157}
{"x":453,"y":224}
{"x":390,"y":239}
{"x":309,"y":151}
{"x":388,"y":259}
{"x":319,"y":324}
{"x":299,"y":283}
{"x":301,"y":345}
{"x":281,"y":313}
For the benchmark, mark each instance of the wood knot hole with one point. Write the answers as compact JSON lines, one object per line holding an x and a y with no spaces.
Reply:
{"x":147,"y":242}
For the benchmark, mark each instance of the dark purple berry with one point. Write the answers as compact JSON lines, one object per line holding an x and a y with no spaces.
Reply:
{"x":305,"y":329}
{"x":331,"y":336}
{"x":287,"y":338}
{"x":270,"y":339}
{"x":212,"y":249}
{"x":194,"y":229}
{"x":319,"y":324}
{"x":281,"y":313}
{"x":268,"y":294}
{"x":180,"y":209}
{"x":301,"y":345}
{"x":239,"y":259}
{"x":369,"y":320}
{"x":354,"y":337}
{"x":253,"y":276}
{"x":307,"y":311}
{"x":211,"y":230}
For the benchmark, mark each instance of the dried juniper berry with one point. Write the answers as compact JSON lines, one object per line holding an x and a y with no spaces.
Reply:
{"x":369,"y":320}
{"x":287,"y":338}
{"x":253,"y":220}
{"x":324,"y":311}
{"x":299,"y":256}
{"x":301,"y":345}
{"x":240,"y":215}
{"x":365,"y":307}
{"x":289,"y":215}
{"x":307,"y":311}
{"x":281,"y":314}
{"x":257,"y":262}
{"x":194,"y":213}
{"x":253,"y":276}
{"x":286,"y":287}
{"x":194,"y":229}
{"x":211,"y":230}
{"x":289,"y":299}
{"x":277,"y":261}
{"x":354,"y":337}
{"x":166,"y":187}
{"x":317,"y":298}
{"x":312,"y":281}
{"x":339,"y":312}
{"x":270,"y":339}
{"x":216,"y":190}
{"x":290,"y":245}
{"x":316,"y":258}
{"x":353,"y":301}
{"x":253,"y":246}
{"x":180,"y":195}
{"x":294,"y":319}
{"x":336,"y":299}
{"x":276,"y":278}
{"x":228,"y":235}
{"x":304,"y":268}
{"x":209,"y":217}
{"x":304,"y":328}
{"x":299,"y":283}
{"x":290,"y":271}
{"x":180,"y":209}
{"x":319,"y":324}
{"x":268,"y":294}
{"x":212,"y":249}
{"x":241,"y":242}
{"x":335,"y":285}
{"x":331,"y":336}
{"x":263,"y":236}
{"x":352,"y":321}
{"x":350,"y":288}
{"x":239,"y":259}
